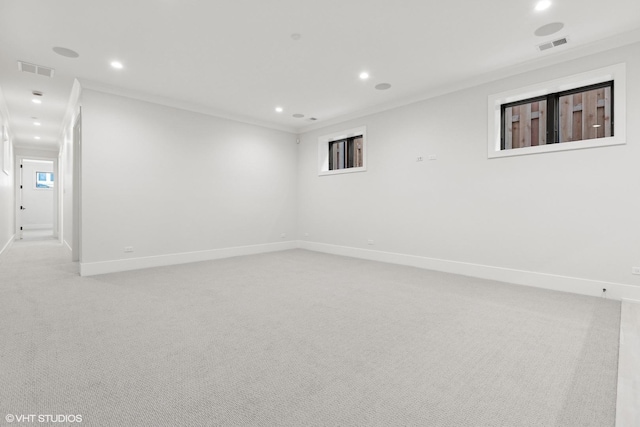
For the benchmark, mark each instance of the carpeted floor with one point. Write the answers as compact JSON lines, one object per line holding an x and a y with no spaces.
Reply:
{"x":298,"y":338}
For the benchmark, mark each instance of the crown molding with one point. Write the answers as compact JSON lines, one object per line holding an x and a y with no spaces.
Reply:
{"x":549,"y":59}
{"x":181,"y":105}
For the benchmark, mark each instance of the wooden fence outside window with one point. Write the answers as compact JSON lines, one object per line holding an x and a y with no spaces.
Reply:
{"x":579,"y":116}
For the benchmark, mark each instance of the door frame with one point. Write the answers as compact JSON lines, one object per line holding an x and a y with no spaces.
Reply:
{"x":56,"y":193}
{"x":76,"y":185}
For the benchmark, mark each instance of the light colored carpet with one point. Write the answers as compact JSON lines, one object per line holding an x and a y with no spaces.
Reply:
{"x":298,"y":338}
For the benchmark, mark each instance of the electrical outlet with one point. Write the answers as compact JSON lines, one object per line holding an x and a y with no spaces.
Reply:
{"x":419,"y":159}
{"x":369,"y":242}
{"x":635,"y":270}
{"x":432,"y":157}
{"x":128,"y":248}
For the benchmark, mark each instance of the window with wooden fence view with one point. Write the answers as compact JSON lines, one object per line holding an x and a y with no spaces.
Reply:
{"x":345,"y":153}
{"x":574,"y":115}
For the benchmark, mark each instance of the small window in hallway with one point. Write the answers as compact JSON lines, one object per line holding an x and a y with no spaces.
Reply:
{"x":44,"y":180}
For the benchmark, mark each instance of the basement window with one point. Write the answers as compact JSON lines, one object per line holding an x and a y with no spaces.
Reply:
{"x":342,"y":152}
{"x":575,"y":115}
{"x":44,"y":180}
{"x":566,"y":114}
{"x":345,"y":153}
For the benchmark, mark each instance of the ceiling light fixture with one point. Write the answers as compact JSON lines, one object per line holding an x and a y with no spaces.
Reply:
{"x":547,"y":30}
{"x":383,"y":86}
{"x":63,"y":51}
{"x":117,"y":65}
{"x":364,"y":75}
{"x":279,"y":110}
{"x":36,"y":137}
{"x":543,"y":5}
{"x":37,"y":123}
{"x":36,"y":101}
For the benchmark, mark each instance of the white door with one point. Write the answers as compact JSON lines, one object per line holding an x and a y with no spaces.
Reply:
{"x":36,"y":199}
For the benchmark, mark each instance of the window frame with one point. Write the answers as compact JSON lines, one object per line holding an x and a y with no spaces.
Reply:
{"x":349,"y":147}
{"x":553,"y":112}
{"x":323,"y":151}
{"x":53,"y":180}
{"x":560,"y":87}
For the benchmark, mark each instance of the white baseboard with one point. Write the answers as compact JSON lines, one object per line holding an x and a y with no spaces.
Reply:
{"x":6,"y":246}
{"x":37,"y":226}
{"x":102,"y":267}
{"x":617,"y":291}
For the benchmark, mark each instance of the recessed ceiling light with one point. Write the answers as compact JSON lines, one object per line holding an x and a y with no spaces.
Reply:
{"x":383,"y":86}
{"x":547,"y":30}
{"x":279,"y":110}
{"x":543,"y":5}
{"x":298,"y":115}
{"x":36,"y":101}
{"x":66,"y":52}
{"x":117,"y":65}
{"x":37,"y":123}
{"x":364,"y":75}
{"x":36,"y":137}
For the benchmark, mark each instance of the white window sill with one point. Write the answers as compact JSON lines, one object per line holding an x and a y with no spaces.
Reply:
{"x":341,"y":171}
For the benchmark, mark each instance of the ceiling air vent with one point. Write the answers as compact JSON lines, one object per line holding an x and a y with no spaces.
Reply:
{"x":545,"y":46}
{"x":560,"y":42}
{"x":552,"y":44}
{"x":35,"y":69}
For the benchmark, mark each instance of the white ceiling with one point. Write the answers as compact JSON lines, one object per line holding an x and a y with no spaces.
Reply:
{"x":236,"y":58}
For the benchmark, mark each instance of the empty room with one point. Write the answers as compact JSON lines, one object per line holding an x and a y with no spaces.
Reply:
{"x":337,"y":213}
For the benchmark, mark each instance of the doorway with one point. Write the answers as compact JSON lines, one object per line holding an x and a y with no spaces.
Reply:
{"x":37,"y":213}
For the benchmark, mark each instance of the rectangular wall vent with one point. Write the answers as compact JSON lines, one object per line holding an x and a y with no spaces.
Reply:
{"x":35,"y":69}
{"x":553,"y":44}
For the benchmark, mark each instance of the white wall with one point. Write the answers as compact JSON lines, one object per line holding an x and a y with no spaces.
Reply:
{"x":572,"y":213}
{"x":7,"y":197}
{"x":169,"y":182}
{"x":38,"y":202}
